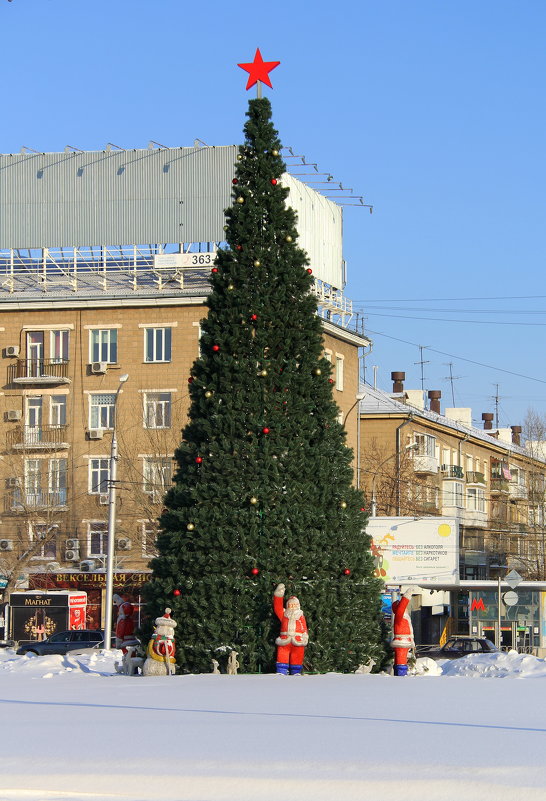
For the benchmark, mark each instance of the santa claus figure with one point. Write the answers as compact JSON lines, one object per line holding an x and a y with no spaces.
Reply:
{"x":293,"y":638}
{"x":125,"y":626}
{"x":403,"y":640}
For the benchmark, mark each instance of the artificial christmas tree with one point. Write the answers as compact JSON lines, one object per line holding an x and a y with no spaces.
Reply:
{"x":263,"y":489}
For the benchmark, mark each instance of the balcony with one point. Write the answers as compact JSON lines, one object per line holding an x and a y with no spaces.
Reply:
{"x":499,"y":486}
{"x":425,"y":464}
{"x":34,"y":438}
{"x":472,"y":477}
{"x":452,"y":471}
{"x":46,"y":372}
{"x":20,"y":501}
{"x":517,"y":492}
{"x":474,"y":518}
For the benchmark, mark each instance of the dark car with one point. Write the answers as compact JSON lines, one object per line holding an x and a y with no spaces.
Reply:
{"x":458,"y":646}
{"x":63,"y":641}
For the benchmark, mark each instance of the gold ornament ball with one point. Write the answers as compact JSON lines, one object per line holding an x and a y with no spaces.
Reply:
{"x":240,"y":199}
{"x":230,"y":287}
{"x":208,"y":394}
{"x":190,"y":526}
{"x":257,"y":263}
{"x":263,"y":373}
{"x":239,"y":157}
{"x":343,"y":504}
{"x":274,"y":152}
{"x":288,"y":238}
{"x":253,"y":501}
{"x":318,"y":371}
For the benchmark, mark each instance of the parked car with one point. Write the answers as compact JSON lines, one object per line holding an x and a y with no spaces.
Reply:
{"x":63,"y":641}
{"x":458,"y":646}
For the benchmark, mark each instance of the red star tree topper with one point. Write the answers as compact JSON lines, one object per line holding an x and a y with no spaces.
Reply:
{"x":258,"y":70}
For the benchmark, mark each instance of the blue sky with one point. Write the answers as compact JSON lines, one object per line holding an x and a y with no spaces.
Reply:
{"x":434,"y":111}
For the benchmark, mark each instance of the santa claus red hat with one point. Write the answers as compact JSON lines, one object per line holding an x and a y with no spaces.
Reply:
{"x":294,"y":599}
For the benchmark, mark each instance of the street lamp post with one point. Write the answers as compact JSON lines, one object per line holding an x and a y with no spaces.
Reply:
{"x":109,"y":599}
{"x":360,"y":396}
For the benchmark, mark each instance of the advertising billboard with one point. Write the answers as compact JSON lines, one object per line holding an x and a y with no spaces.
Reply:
{"x":408,"y":550}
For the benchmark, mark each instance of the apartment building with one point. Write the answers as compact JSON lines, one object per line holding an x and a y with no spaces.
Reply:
{"x":99,"y":338}
{"x":417,"y":461}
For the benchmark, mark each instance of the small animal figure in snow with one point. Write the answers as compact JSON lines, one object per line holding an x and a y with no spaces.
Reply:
{"x":215,"y":666}
{"x":367,"y":667}
{"x":133,"y":659}
{"x":160,"y":659}
{"x":232,"y":664}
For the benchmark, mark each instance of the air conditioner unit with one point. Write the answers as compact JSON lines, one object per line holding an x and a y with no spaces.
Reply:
{"x":124,"y":544}
{"x":13,"y":414}
{"x":72,"y":544}
{"x":95,"y":433}
{"x":104,"y":499}
{"x":99,"y":367}
{"x":6,"y":545}
{"x":12,"y":482}
{"x":51,"y":566}
{"x":87,"y":566}
{"x":72,"y":554}
{"x":12,"y":350}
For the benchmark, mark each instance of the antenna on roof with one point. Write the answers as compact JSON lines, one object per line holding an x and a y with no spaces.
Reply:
{"x":151,"y":145}
{"x":68,"y":148}
{"x":26,"y":148}
{"x":199,"y":143}
{"x":110,"y":145}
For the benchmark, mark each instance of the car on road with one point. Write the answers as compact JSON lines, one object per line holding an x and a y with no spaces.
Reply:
{"x":64,"y":641}
{"x":458,"y":646}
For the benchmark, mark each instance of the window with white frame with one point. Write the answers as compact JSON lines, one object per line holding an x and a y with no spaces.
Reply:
{"x":57,"y":473}
{"x":157,"y":409}
{"x":475,"y":499}
{"x":33,"y":482}
{"x":157,"y":476}
{"x":103,"y":345}
{"x":157,"y":344}
{"x":98,"y":539}
{"x":453,"y":494}
{"x":58,"y":346}
{"x":339,"y":372}
{"x":99,"y":475}
{"x":102,"y":408}
{"x":148,"y":537}
{"x":536,"y":516}
{"x":426,"y":445}
{"x":47,"y":535}
{"x":57,"y":410}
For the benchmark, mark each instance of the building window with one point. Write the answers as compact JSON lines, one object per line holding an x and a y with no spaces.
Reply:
{"x":149,"y":536}
{"x":58,"y":469}
{"x":157,"y":477}
{"x":33,"y":482}
{"x":339,"y":372}
{"x":426,"y":445}
{"x":99,"y":475}
{"x":104,"y":345}
{"x":453,"y":494}
{"x":57,"y":410}
{"x":98,"y":539}
{"x":157,"y":344}
{"x":58,"y":346}
{"x":475,"y":499}
{"x":102,"y":410}
{"x":157,"y":410}
{"x":47,"y":535}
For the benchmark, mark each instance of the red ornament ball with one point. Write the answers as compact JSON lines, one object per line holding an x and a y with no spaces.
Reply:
{"x":330,"y":380}
{"x":176,"y":592}
{"x":198,"y":459}
{"x":216,"y":348}
{"x":346,"y":572}
{"x":362,"y":508}
{"x":234,"y":181}
{"x":238,"y":247}
{"x":309,"y":271}
{"x":255,"y":571}
{"x":274,"y":181}
{"x":214,"y":270}
{"x":190,"y":380}
{"x":253,"y":317}
{"x":266,"y":430}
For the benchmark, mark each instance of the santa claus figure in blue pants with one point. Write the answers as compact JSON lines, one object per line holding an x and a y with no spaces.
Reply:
{"x":293,"y":637}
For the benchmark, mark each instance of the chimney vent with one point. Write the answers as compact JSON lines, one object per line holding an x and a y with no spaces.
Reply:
{"x":434,"y":396}
{"x":516,"y":435}
{"x":487,"y":418}
{"x":398,"y":381}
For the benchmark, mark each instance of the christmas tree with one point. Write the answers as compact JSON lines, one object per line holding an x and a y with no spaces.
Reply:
{"x":263,"y":491}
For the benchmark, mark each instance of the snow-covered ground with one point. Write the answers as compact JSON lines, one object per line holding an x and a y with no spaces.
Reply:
{"x":71,"y":728}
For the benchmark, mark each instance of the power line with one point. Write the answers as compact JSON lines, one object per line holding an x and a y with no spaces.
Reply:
{"x":428,"y":300}
{"x":443,"y":320}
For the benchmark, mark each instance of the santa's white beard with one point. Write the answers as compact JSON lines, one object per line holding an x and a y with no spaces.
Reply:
{"x":293,"y":614}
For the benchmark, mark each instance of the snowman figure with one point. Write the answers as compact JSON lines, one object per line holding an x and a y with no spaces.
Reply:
{"x":160,"y":659}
